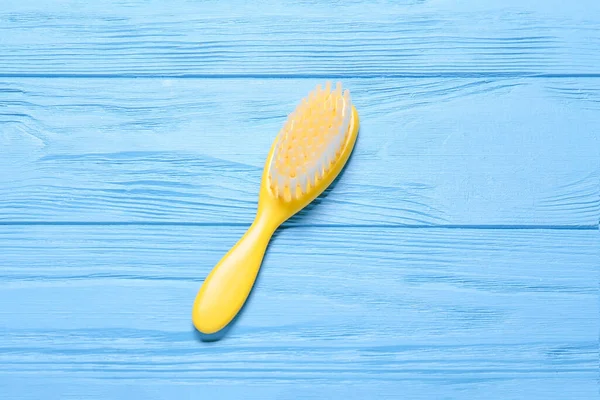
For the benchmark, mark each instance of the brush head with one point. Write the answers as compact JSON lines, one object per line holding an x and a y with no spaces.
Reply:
{"x":311,"y":142}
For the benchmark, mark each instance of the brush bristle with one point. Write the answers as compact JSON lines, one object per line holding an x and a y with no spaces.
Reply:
{"x":310,"y":142}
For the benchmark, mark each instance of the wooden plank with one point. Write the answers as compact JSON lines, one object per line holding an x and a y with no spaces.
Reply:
{"x":430,"y":151}
{"x":405,"y":313}
{"x":423,"y":38}
{"x":57,"y":388}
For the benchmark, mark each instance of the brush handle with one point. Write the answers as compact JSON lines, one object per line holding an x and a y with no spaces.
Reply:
{"x":227,"y":287}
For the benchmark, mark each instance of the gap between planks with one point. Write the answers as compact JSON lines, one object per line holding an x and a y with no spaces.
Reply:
{"x":444,"y":75}
{"x":286,"y":226}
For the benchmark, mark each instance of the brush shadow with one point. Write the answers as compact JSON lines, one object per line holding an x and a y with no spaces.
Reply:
{"x":214,"y":337}
{"x":294,"y":220}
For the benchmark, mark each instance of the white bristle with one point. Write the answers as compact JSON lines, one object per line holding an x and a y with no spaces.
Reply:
{"x":303,"y":181}
{"x":311,"y":159}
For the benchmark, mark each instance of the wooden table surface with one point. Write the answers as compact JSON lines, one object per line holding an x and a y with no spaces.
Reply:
{"x":457,"y":257}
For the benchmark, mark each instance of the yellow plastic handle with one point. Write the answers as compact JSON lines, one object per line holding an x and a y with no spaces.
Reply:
{"x":227,"y":287}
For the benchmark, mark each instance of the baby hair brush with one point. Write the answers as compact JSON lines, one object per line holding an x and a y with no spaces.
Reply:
{"x":307,"y":155}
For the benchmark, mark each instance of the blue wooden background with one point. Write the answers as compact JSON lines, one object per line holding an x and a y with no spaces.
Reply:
{"x":458,"y":256}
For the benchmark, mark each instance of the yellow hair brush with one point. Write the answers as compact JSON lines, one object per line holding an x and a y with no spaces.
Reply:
{"x":308,"y":154}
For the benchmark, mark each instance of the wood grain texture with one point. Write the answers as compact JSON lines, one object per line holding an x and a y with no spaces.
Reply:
{"x":507,"y":152}
{"x":99,"y":312}
{"x":292,"y":39}
{"x":456,"y":258}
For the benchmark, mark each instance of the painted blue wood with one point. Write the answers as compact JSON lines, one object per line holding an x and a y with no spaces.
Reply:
{"x":456,"y":258}
{"x":104,"y":312}
{"x":299,"y":38}
{"x":502,"y":152}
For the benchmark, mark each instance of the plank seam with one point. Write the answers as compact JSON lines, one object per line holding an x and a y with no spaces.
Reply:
{"x":293,"y":225}
{"x":465,"y":75}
